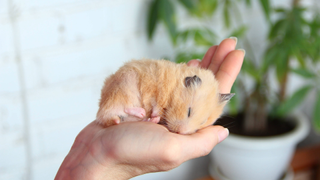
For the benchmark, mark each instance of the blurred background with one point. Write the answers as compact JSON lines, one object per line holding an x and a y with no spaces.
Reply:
{"x":55,"y":55}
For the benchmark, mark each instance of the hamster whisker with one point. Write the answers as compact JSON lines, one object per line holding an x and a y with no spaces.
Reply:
{"x":228,"y":116}
{"x":228,"y":125}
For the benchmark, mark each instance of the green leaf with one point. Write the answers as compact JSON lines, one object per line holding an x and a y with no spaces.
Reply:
{"x":299,"y":57}
{"x":200,"y":40}
{"x":281,"y":67}
{"x":152,"y":18}
{"x":248,"y":2}
{"x":184,"y":36}
{"x":198,"y":55}
{"x":189,"y":4}
{"x":239,"y":31}
{"x":213,"y":4}
{"x":210,"y":34}
{"x":182,"y":57}
{"x":280,"y":10}
{"x":250,"y":69}
{"x":278,"y":28}
{"x":316,"y":113}
{"x":206,"y":7}
{"x":292,"y":102}
{"x":266,"y":8}
{"x":270,"y":57}
{"x":233,"y":103}
{"x":167,"y":14}
{"x":226,"y":15}
{"x":304,"y":72}
{"x":315,"y":25}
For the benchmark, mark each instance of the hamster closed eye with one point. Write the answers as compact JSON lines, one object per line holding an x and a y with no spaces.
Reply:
{"x":182,"y":98}
{"x":200,"y":102}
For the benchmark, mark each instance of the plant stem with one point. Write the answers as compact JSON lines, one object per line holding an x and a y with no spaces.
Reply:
{"x":283,"y":83}
{"x":255,"y":117}
{"x":255,"y":111}
{"x":295,"y":3}
{"x":284,"y":80}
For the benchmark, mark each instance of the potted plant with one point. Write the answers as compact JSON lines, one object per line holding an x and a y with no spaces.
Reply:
{"x":293,"y":47}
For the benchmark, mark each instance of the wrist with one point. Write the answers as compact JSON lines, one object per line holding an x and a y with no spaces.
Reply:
{"x":76,"y":166}
{"x":81,"y":163}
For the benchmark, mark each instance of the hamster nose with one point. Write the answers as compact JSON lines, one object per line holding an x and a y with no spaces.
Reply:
{"x":183,"y":129}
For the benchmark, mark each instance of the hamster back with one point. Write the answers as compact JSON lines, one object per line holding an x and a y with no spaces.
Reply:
{"x":182,"y":98}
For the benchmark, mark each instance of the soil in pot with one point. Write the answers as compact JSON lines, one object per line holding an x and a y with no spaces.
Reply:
{"x":275,"y":126}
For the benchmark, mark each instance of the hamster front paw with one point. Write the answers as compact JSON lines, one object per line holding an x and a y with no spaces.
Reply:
{"x":109,"y":120}
{"x":153,"y":119}
{"x":136,"y":111}
{"x":116,"y":115}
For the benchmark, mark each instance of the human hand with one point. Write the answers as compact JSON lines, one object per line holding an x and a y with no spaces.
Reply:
{"x":134,"y":148}
{"x":224,"y":61}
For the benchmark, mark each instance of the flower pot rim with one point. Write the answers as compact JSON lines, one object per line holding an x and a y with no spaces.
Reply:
{"x":292,"y":137}
{"x":215,"y":172}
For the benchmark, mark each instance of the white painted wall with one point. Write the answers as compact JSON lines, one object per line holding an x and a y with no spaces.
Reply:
{"x":54,"y":56}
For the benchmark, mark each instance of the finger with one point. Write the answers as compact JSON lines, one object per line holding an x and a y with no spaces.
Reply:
{"x":208,"y":56}
{"x":193,"y":63}
{"x":229,"y":70}
{"x":225,"y":47}
{"x":201,"y":143}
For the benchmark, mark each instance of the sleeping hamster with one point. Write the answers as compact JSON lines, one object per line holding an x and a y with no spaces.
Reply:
{"x":182,"y":98}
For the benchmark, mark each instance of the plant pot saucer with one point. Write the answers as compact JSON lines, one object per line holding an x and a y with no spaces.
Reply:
{"x":217,"y":174}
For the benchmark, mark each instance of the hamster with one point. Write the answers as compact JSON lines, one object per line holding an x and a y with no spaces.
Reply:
{"x":182,"y":98}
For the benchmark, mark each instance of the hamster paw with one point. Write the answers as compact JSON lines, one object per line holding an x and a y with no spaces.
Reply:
{"x":153,"y":119}
{"x":136,"y":111}
{"x":114,"y":120}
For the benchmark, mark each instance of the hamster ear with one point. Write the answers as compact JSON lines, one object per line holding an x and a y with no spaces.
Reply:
{"x":225,"y":97}
{"x":195,"y":80}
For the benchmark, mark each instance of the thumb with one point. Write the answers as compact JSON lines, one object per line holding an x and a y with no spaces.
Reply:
{"x":202,"y":142}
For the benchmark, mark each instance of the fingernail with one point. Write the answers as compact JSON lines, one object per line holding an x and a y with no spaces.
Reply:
{"x":198,"y":60}
{"x":223,"y":134}
{"x":234,"y":38}
{"x":244,"y":51}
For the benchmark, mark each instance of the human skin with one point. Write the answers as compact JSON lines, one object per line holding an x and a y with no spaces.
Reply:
{"x":133,"y":148}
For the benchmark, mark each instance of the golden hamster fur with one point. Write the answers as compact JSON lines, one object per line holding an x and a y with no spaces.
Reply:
{"x":182,"y":98}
